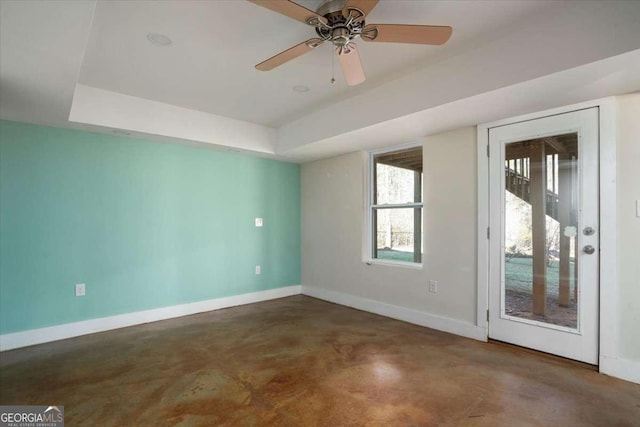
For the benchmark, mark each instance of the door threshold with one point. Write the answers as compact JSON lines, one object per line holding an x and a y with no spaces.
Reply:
{"x":549,"y":356}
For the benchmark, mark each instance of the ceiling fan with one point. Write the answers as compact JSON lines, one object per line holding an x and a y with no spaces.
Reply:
{"x":341,"y":22}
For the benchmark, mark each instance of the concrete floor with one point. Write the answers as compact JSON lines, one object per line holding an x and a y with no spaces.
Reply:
{"x":301,"y":361}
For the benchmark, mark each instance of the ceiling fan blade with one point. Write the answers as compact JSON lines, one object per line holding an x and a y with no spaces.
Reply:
{"x":289,"y":54}
{"x":398,"y":33}
{"x":365,"y":6}
{"x":290,"y":9}
{"x":351,"y":65}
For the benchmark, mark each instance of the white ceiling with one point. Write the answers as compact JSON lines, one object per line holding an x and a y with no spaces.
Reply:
{"x":210,"y":66}
{"x":204,"y":87}
{"x":41,"y":47}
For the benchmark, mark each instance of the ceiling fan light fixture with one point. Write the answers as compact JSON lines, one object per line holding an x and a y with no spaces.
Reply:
{"x":158,"y":39}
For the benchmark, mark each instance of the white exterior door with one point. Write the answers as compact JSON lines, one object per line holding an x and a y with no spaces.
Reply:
{"x":543,"y":246}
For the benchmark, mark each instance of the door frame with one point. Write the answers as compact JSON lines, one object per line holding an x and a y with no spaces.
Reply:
{"x":608,"y":277}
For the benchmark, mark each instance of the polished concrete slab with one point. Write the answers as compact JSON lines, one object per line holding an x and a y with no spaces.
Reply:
{"x":299,"y":361}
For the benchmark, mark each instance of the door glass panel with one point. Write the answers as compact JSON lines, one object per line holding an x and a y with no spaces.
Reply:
{"x":541,"y":226}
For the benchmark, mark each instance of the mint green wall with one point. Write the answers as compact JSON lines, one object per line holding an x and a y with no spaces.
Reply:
{"x":142,"y":224}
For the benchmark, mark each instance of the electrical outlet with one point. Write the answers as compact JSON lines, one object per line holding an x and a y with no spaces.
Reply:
{"x":433,"y":286}
{"x":80,"y":290}
{"x":258,"y":269}
{"x":258,"y":222}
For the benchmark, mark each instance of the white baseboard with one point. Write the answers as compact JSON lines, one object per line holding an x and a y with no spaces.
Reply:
{"x":408,"y":315}
{"x":628,"y":370}
{"x":624,"y":369}
{"x":70,"y":330}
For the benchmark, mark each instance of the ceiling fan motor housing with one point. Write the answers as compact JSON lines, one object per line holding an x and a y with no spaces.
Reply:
{"x":340,"y":36}
{"x":339,"y":29}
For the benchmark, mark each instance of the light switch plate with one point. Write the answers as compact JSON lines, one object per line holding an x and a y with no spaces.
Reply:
{"x":637,"y":208}
{"x":433,"y":286}
{"x":80,"y":290}
{"x":258,"y":222}
{"x":258,"y":269}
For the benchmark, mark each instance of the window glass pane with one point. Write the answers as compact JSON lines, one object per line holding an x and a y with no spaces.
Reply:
{"x":395,"y":185}
{"x":398,"y":177}
{"x":397,"y":234}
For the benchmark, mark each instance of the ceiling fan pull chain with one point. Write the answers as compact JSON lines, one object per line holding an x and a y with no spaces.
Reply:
{"x":333,"y":74}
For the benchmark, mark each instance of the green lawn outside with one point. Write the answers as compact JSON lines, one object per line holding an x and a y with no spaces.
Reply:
{"x":395,"y":255}
{"x":518,"y":271}
{"x":518,"y":275}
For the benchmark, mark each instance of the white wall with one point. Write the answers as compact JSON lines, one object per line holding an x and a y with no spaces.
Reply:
{"x":333,"y":214}
{"x":628,"y":177}
{"x":333,"y":193}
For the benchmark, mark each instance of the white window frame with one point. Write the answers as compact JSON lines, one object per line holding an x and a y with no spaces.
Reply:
{"x":367,"y":248}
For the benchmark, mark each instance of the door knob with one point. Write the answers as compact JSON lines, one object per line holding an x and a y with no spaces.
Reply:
{"x":589,"y":249}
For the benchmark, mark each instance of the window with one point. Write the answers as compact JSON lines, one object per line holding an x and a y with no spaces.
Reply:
{"x":395,"y":205}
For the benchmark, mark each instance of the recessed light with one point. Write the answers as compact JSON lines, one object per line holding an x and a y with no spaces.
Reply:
{"x":301,"y":88}
{"x":159,"y":39}
{"x":121,"y":132}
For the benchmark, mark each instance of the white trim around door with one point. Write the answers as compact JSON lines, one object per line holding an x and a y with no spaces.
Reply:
{"x":608,"y":348}
{"x":551,"y":191}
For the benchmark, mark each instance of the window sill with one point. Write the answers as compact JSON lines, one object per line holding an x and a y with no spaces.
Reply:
{"x":388,"y":263}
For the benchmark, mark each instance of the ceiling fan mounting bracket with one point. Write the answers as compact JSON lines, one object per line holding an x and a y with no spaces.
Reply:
{"x":315,"y":21}
{"x":356,"y":15}
{"x":370,"y":33}
{"x":314,"y":43}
